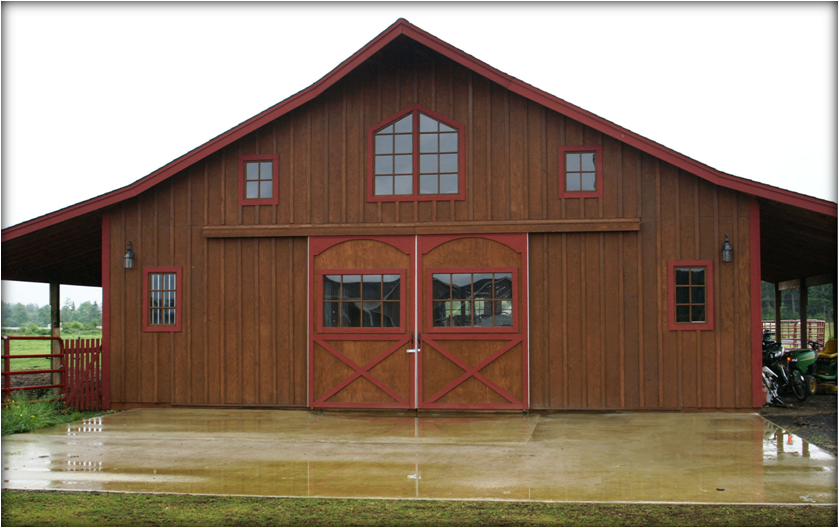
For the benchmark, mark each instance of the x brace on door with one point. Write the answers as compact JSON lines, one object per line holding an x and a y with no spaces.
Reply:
{"x":363,"y":371}
{"x":473,"y":371}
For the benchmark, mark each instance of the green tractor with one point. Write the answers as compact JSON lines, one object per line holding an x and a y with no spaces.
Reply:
{"x":817,"y":365}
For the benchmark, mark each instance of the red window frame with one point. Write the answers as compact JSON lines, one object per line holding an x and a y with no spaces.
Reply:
{"x":416,"y":109}
{"x":709,"y":294}
{"x":403,"y":316}
{"x":275,"y":169}
{"x":179,"y":287}
{"x":598,"y":171}
{"x":429,"y":303}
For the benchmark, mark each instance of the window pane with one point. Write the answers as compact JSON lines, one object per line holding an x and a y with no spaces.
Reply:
{"x":572,"y":182}
{"x":697,"y":314}
{"x":588,"y":181}
{"x":169,"y":316}
{"x":168,"y":299}
{"x":403,"y":164}
{"x":331,"y":314}
{"x":403,"y":185}
{"x":404,"y":143}
{"x":427,"y":124}
{"x":266,"y":189}
{"x":462,"y":313}
{"x":350,"y":315}
{"x":428,"y":164}
{"x":504,"y":313}
{"x":154,"y":315}
{"x":683,"y":295}
{"x":428,"y":184}
{"x":448,"y":162}
{"x":390,"y":313}
{"x":266,"y":171}
{"x":386,"y":130}
{"x":155,"y":299}
{"x":697,"y":276}
{"x":441,"y":286}
{"x":428,"y":143}
{"x":698,"y":295}
{"x":503,"y":285}
{"x":384,"y":144}
{"x":482,"y":286}
{"x":448,"y":142}
{"x":588,"y":161}
{"x":372,"y":288}
{"x":405,"y":124}
{"x":332,"y":288}
{"x":440,"y":313}
{"x":251,"y":171}
{"x":572,"y":162}
{"x":461,"y":286}
{"x":446,"y":128}
{"x":384,"y":185}
{"x":352,"y":287}
{"x":252,"y":189}
{"x":172,"y":278}
{"x":371,"y":314}
{"x":448,"y":184}
{"x":391,"y":287}
{"x":683,"y":314}
{"x":682,"y":276}
{"x":384,"y":164}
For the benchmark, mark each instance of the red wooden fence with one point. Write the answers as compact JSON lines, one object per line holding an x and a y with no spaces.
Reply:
{"x":80,"y":373}
{"x":83,"y":360}
{"x":791,"y":331}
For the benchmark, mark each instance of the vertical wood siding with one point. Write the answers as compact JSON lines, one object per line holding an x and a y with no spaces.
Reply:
{"x":599,"y":334}
{"x":598,"y":309}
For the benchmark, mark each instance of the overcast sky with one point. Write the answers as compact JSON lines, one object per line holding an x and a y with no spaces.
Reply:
{"x":96,"y":96}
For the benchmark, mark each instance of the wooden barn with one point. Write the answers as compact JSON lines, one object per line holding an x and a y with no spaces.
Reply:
{"x":418,"y":230}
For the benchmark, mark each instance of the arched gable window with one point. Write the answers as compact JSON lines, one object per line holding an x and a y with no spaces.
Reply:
{"x":416,"y":154}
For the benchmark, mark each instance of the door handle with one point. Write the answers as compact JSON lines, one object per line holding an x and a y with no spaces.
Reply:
{"x":413,"y":350}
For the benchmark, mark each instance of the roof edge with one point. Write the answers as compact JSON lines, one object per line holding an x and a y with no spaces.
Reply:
{"x":403,"y":27}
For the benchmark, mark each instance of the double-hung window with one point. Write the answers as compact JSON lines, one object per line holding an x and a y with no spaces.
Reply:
{"x":416,"y":155}
{"x":162,"y":307}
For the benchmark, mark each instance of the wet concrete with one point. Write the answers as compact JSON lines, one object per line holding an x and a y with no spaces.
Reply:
{"x":713,"y":458}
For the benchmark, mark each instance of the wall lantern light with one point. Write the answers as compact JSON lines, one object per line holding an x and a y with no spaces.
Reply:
{"x":129,"y":257}
{"x":727,"y":250}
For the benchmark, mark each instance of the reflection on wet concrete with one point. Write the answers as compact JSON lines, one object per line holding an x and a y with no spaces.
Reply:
{"x":733,"y":458}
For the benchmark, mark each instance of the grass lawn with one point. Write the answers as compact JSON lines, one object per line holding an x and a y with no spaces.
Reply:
{"x":86,"y":509}
{"x":32,"y":346}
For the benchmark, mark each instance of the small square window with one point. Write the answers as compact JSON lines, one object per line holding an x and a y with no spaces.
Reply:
{"x":580,"y":171}
{"x":259,"y":180}
{"x":691,"y":295}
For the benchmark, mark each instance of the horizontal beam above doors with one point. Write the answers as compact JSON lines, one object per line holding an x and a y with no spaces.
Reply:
{"x":425,"y":228}
{"x":809,"y":281}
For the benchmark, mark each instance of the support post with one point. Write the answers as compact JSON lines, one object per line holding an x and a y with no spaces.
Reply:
{"x":833,"y":334}
{"x":803,"y":303}
{"x":55,"y":329}
{"x":778,"y":301}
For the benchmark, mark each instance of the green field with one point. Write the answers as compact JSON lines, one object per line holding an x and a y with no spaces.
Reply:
{"x":86,"y":509}
{"x":27,"y":347}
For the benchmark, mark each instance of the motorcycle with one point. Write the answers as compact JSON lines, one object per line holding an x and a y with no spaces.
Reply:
{"x":781,"y":372}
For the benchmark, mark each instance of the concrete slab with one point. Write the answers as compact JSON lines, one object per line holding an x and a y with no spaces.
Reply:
{"x":705,"y":458}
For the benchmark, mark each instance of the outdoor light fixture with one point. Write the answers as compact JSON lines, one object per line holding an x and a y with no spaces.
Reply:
{"x":129,"y":257}
{"x":727,"y":250}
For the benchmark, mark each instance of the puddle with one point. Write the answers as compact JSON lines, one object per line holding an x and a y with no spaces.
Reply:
{"x":579,"y":457}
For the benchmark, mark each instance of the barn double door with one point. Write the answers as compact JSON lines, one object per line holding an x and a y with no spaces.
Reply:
{"x":428,"y":322}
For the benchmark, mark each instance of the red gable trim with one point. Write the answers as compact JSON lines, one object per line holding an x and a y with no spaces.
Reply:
{"x":403,"y":27}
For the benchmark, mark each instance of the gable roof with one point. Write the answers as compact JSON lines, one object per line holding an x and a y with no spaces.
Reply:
{"x":403,"y":27}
